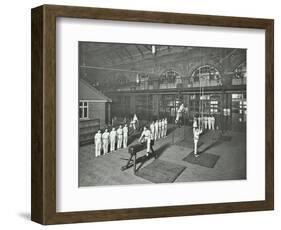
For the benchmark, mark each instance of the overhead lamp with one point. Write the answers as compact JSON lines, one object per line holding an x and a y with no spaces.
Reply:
{"x":153,"y":49}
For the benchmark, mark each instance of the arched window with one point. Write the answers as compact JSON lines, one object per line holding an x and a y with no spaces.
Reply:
{"x":170,"y":79}
{"x":239,"y":76}
{"x":206,"y":76}
{"x":143,"y":79}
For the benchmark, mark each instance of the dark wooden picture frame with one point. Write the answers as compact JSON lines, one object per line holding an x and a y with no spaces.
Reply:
{"x":43,"y":189}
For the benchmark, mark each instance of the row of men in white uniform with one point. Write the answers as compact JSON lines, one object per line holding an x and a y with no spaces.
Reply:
{"x":159,"y":129}
{"x":103,"y":141}
{"x":208,"y":122}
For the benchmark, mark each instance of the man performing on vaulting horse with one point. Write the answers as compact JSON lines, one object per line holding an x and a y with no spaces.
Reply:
{"x":146,"y":141}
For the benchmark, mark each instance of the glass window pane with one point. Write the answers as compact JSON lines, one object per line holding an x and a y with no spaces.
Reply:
{"x":85,"y":112}
{"x":80,"y":113}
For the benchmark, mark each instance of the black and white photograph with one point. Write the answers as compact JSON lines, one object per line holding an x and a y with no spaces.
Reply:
{"x":156,"y":113}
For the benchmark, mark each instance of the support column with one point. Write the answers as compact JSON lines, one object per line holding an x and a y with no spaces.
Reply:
{"x":133,"y":104}
{"x":155,"y":106}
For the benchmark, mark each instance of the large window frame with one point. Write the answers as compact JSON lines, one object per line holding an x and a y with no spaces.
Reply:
{"x":206,"y":75}
{"x":170,"y":79}
{"x":239,"y":76}
{"x":83,"y":110}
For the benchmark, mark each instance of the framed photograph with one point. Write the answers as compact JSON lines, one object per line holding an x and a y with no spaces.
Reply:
{"x":140,"y":114}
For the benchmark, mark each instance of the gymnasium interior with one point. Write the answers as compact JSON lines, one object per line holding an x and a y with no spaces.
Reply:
{"x":151,"y":81}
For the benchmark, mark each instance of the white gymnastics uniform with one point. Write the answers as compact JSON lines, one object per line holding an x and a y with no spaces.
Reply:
{"x":105,"y":142}
{"x":159,"y":129}
{"x":213,"y":122}
{"x":196,"y":134}
{"x":135,"y":120}
{"x":156,"y":130}
{"x":209,"y":123}
{"x":165,"y":127}
{"x":112,"y":136}
{"x":147,"y":137}
{"x":97,"y":144}
{"x":119,"y":137}
{"x":152,"y":130}
{"x":205,"y":122}
{"x":125,"y":136}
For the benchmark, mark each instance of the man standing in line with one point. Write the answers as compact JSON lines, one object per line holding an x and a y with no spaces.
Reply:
{"x":135,"y":121}
{"x":209,"y":122}
{"x":156,"y":130}
{"x":205,"y":122}
{"x":119,"y":137}
{"x":159,"y":129}
{"x":165,"y":127}
{"x":112,"y":139}
{"x":125,"y":136}
{"x":152,"y":130}
{"x":98,"y":143}
{"x":105,"y":141}
{"x":213,"y":122}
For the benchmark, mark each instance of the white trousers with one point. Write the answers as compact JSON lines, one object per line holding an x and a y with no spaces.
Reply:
{"x":156,"y":135}
{"x":119,"y":141}
{"x":97,"y":148}
{"x":112,"y":145}
{"x":195,"y":146}
{"x":206,"y":124}
{"x":213,"y":125}
{"x":105,"y":146}
{"x":159,"y":133}
{"x":163,"y":132}
{"x":148,"y":141}
{"x":153,"y":135}
{"x":125,"y":141}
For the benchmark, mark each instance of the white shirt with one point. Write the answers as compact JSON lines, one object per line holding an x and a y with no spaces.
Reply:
{"x":196,"y":133}
{"x":156,"y":125}
{"x":112,"y":134}
{"x":194,"y":124}
{"x":98,"y":137}
{"x":152,"y":127}
{"x":119,"y":131}
{"x":146,"y":134}
{"x":105,"y":136}
{"x":181,"y":108}
{"x":125,"y":131}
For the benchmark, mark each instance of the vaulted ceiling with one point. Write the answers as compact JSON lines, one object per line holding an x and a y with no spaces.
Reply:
{"x":95,"y":54}
{"x":110,"y":62}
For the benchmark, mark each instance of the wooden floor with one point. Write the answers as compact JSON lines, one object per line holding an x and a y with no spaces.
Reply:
{"x":106,"y":169}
